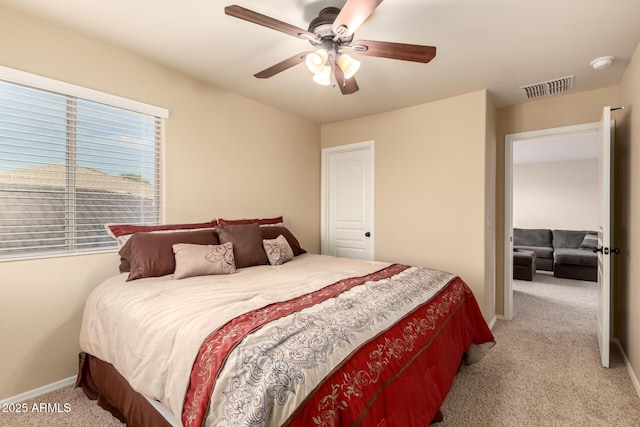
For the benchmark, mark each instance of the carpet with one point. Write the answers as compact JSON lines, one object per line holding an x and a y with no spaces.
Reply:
{"x":545,"y":368}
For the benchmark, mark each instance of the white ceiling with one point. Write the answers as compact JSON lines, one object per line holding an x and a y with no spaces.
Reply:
{"x":557,"y":148}
{"x":497,"y":45}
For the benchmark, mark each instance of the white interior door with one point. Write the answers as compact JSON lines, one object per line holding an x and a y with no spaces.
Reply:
{"x":605,"y":232}
{"x":348,"y":201}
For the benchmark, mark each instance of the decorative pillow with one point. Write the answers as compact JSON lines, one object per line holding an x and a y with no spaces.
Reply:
{"x":263,"y":222}
{"x":247,"y":243}
{"x":151,"y":254}
{"x":278,"y":250}
{"x":590,"y":241}
{"x":273,"y":232}
{"x":122,"y":232}
{"x":125,"y":265}
{"x":202,"y":260}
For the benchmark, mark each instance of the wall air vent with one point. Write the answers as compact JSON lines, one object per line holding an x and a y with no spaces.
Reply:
{"x":550,"y":87}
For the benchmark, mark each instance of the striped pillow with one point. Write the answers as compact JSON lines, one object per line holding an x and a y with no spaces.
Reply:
{"x":263,"y":222}
{"x":122,"y":232}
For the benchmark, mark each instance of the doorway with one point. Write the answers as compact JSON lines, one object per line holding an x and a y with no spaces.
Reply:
{"x":589,"y":130}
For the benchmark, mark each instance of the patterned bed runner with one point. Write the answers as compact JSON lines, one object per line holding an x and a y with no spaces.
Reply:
{"x":216,"y":347}
{"x":329,"y":352}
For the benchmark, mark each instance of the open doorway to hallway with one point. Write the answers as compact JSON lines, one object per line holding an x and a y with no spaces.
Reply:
{"x":551,"y":188}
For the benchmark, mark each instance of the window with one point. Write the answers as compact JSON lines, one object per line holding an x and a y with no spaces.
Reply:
{"x":69,"y":164}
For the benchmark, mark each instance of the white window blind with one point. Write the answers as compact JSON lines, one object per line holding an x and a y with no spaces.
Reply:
{"x":69,"y":165}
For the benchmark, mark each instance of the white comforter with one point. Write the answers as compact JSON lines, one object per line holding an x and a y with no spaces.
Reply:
{"x":127,"y":323}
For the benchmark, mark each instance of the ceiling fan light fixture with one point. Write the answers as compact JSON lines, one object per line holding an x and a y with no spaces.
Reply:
{"x":348,"y":65}
{"x":323,"y":77}
{"x":316,"y":60}
{"x":329,"y":33}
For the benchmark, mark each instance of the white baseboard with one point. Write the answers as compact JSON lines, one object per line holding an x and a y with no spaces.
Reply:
{"x":68,"y":381}
{"x":38,"y":391}
{"x":632,"y":374}
{"x":493,"y":322}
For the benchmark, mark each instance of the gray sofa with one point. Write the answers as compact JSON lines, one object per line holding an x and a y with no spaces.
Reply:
{"x":538,"y":241}
{"x":568,"y":253}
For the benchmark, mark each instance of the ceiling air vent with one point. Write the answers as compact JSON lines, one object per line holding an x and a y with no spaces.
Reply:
{"x":550,"y":87}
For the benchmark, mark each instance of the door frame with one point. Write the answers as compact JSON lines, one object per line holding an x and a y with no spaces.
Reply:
{"x":324,"y":187}
{"x":509,"y":140}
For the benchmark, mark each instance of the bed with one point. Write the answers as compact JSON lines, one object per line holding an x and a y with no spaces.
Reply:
{"x":316,"y":340}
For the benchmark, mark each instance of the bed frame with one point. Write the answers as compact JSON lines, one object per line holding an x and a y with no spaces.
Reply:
{"x":102,"y":382}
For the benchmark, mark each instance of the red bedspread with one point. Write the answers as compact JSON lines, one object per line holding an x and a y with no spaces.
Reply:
{"x":396,"y":376}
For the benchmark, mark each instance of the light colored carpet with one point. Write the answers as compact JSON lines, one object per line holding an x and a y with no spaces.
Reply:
{"x":82,"y":412}
{"x":545,"y":368}
{"x":543,"y":371}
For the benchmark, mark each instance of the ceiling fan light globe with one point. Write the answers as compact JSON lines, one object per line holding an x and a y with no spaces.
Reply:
{"x":348,"y":65}
{"x":323,"y":77}
{"x":316,"y":60}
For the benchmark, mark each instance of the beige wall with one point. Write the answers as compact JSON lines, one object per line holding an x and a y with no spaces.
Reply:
{"x":556,"y":195}
{"x":628,"y":209}
{"x":430,"y":176}
{"x":225,"y":155}
{"x":545,"y":113}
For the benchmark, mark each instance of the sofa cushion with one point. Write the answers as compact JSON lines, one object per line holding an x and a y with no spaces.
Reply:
{"x":532,"y":237}
{"x":575,"y":257}
{"x":568,"y":238}
{"x":539,"y":251}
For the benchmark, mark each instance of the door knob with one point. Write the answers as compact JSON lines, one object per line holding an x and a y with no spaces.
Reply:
{"x":367,"y":234}
{"x":606,"y":250}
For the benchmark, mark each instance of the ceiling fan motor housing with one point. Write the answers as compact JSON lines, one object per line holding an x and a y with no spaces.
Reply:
{"x":321,"y":26}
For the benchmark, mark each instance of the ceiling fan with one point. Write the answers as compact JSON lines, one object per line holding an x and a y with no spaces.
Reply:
{"x":331,"y":33}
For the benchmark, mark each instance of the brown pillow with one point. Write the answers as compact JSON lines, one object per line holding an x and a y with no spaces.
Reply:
{"x":273,"y":232}
{"x":125,"y":266}
{"x":151,"y":254}
{"x":203,"y":260}
{"x":247,"y":243}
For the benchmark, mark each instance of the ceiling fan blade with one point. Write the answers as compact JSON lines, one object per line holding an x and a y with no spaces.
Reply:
{"x":347,"y":86}
{"x":402,"y":51}
{"x":352,"y":15}
{"x":266,"y":21}
{"x":350,"y":86}
{"x":281,"y":66}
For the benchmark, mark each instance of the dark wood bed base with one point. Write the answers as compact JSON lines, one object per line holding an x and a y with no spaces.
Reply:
{"x":102,"y":382}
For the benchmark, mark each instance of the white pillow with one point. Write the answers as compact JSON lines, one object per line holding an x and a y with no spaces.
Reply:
{"x":202,"y":260}
{"x":278,"y":250}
